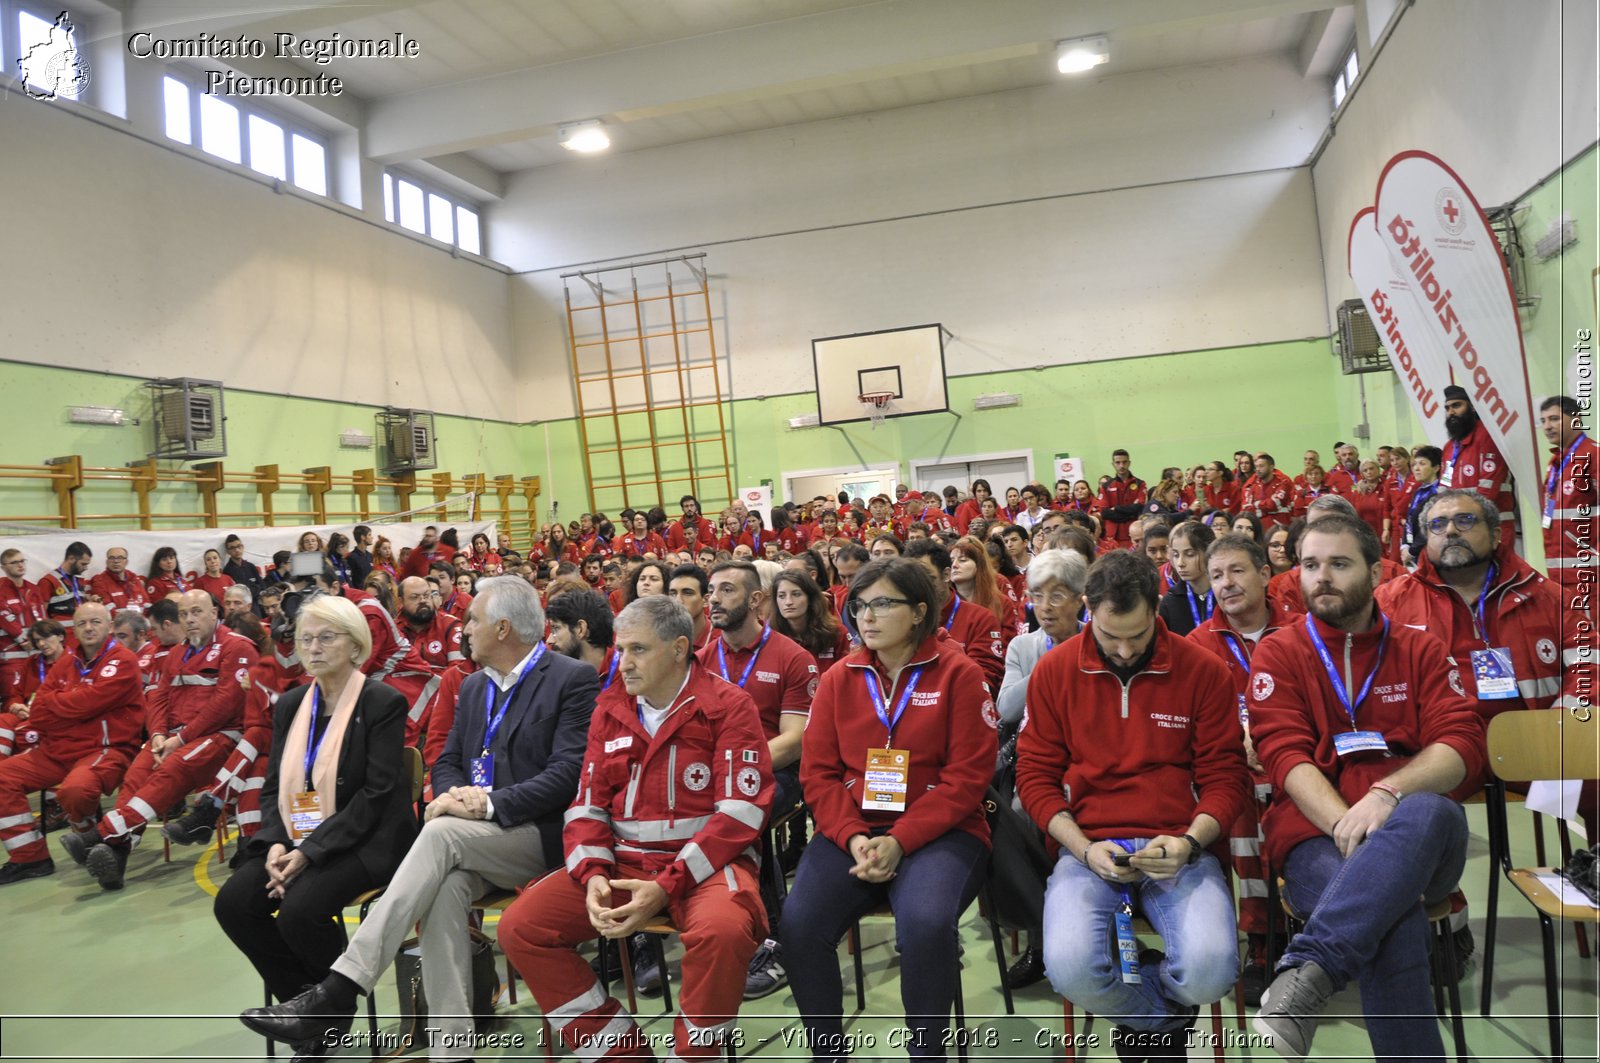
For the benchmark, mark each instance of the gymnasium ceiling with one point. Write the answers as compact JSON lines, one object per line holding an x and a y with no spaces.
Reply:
{"x":496,"y":78}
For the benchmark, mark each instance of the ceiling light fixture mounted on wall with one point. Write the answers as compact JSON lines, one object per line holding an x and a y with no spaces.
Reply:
{"x":584,"y":137}
{"x":1081,"y":54}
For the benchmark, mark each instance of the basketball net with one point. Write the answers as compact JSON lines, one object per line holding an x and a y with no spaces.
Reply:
{"x":461,"y":508}
{"x":877,"y":404}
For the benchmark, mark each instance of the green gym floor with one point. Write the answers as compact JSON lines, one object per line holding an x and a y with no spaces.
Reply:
{"x":146,"y":974}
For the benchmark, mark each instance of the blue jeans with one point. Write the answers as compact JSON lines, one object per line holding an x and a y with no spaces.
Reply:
{"x":1192,"y":912}
{"x":1368,"y":920}
{"x":934,"y":886}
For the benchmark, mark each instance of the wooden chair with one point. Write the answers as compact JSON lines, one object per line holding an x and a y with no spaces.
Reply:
{"x":659,"y":929}
{"x":363,"y":902}
{"x":1546,"y":744}
{"x":884,"y":910}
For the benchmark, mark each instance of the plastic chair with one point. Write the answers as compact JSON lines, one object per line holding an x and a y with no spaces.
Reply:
{"x":1546,"y":744}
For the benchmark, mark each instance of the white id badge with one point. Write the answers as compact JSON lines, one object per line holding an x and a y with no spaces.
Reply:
{"x":1494,"y":673}
{"x":305,"y":815}
{"x":1348,"y":742}
{"x":1547,"y":521}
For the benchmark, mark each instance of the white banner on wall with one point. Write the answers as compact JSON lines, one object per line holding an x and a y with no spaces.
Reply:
{"x":758,"y":500}
{"x":1391,"y":300}
{"x":1437,"y":234}
{"x":1069,"y":468}
{"x":45,"y":551}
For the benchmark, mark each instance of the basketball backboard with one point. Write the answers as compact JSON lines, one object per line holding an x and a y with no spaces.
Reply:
{"x":907,"y":362}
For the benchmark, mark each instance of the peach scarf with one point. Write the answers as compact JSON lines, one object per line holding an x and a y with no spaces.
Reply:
{"x":325,"y":770}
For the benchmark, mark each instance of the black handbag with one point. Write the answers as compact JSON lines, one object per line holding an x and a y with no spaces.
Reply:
{"x":1019,"y":864}
{"x":414,"y":1001}
{"x":1583,"y":871}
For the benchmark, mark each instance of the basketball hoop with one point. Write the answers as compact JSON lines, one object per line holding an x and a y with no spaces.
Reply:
{"x":877,"y":404}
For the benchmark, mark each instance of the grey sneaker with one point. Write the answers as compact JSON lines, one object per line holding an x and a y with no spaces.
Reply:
{"x":766,"y":973}
{"x":1290,"y":1008}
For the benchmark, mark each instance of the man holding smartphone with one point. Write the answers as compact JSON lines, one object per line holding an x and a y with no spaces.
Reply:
{"x":1133,"y":781}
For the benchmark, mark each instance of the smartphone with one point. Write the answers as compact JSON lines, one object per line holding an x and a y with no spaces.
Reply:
{"x":1121,"y":859}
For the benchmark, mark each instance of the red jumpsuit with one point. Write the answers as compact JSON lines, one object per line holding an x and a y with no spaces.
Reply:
{"x":125,"y":593}
{"x":1271,"y":499}
{"x":239,"y":780}
{"x":1125,"y":495}
{"x":90,"y":715}
{"x":17,"y":731}
{"x":200,"y":698}
{"x":683,"y":807}
{"x":57,"y":597}
{"x":677,"y":541}
{"x":17,"y":614}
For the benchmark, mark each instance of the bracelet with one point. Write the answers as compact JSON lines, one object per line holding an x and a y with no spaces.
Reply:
{"x":1195,"y":848}
{"x":1385,"y":788}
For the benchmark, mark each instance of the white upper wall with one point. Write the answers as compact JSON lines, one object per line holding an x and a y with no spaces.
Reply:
{"x":128,"y":255}
{"x":1142,"y":214}
{"x":1504,"y":91}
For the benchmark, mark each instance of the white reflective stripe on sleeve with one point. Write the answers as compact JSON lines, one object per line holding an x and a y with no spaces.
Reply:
{"x":196,"y":751}
{"x":429,"y":688}
{"x":255,"y":783}
{"x":7,"y":734}
{"x":23,"y":839}
{"x":1572,"y":562}
{"x":699,"y":866}
{"x":246,"y":751}
{"x":194,"y":680}
{"x":1244,"y":847}
{"x":659,"y":830}
{"x":593,"y":812}
{"x":580,"y":853}
{"x":141,"y":806}
{"x":16,"y":821}
{"x":1580,"y":655}
{"x":1252,"y":887}
{"x":743,"y":811}
{"x":248,"y":817}
{"x":560,"y":1017}
{"x":1546,"y":687}
{"x":119,"y":826}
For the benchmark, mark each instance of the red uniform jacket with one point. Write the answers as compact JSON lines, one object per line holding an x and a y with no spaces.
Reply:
{"x":390,"y":649}
{"x":57,"y":597}
{"x":630,"y":545}
{"x":1132,"y":759}
{"x":1571,"y":507}
{"x":17,"y":614}
{"x":976,"y":630}
{"x":213,"y":585}
{"x":1341,"y":481}
{"x":89,"y":705}
{"x":202,"y":688}
{"x":1371,"y":507}
{"x":1218,"y":636}
{"x":1523,"y":612}
{"x":707,"y":533}
{"x":1127,"y":495}
{"x":440,"y":715}
{"x":1415,"y":701}
{"x":1271,"y":499}
{"x":125,"y":593}
{"x":152,"y":662}
{"x":1475,"y":464}
{"x":782,"y":682}
{"x":158,"y":588}
{"x":948,"y":728}
{"x":681,"y":805}
{"x":418,"y":560}
{"x":22,"y":683}
{"x":439,"y":644}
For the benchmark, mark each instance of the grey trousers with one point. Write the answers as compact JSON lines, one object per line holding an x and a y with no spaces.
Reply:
{"x":452,"y":863}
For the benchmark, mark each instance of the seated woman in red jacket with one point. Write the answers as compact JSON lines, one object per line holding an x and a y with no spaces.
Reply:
{"x":897,"y":754}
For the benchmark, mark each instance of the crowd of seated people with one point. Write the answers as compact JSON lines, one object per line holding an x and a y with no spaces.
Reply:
{"x":1181,"y":677}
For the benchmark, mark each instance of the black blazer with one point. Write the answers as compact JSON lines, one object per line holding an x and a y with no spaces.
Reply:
{"x":546,"y":729}
{"x":376,"y":818}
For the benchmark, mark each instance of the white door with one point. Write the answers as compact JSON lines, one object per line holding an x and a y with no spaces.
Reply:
{"x":1001,"y":472}
{"x":935,"y":477}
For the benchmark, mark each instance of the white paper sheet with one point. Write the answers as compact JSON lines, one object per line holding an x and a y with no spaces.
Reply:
{"x":1568,"y":893}
{"x":1556,"y":798}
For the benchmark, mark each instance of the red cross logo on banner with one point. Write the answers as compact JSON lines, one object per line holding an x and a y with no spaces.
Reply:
{"x":1451,"y":211}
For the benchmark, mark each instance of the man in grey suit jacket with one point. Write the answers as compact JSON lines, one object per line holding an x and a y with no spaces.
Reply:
{"x":507,"y":774}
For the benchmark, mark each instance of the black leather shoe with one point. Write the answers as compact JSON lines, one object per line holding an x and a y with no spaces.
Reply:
{"x":15,"y":872}
{"x":309,"y":1021}
{"x":1028,"y":969}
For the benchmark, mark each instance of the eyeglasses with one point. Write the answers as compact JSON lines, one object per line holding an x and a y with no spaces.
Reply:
{"x":858,"y":607}
{"x":1460,"y":521}
{"x":325,"y":639}
{"x":1055,"y":599}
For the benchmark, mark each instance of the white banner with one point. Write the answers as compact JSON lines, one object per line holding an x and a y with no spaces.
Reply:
{"x":44,"y":552}
{"x":1437,"y":234}
{"x":1069,"y":469}
{"x":1422,"y":364}
{"x":758,"y":500}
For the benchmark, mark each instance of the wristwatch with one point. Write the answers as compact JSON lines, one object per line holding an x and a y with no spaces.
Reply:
{"x":1195,"y":848}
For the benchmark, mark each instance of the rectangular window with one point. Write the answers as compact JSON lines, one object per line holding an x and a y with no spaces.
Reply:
{"x":219,"y":129}
{"x":310,"y":165}
{"x":266,"y":148}
{"x":388,"y":198}
{"x":412,"y":215}
{"x":441,"y":224}
{"x":176,"y":96}
{"x":467,"y":230}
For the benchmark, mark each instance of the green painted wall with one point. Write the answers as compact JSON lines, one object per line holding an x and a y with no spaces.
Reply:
{"x":1566,"y":283}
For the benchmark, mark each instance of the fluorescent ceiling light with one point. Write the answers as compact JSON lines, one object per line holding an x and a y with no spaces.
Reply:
{"x":1081,"y":54}
{"x":585,"y":137}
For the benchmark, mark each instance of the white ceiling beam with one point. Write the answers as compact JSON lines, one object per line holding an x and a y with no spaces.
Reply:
{"x":1327,"y":41}
{"x":847,"y":46}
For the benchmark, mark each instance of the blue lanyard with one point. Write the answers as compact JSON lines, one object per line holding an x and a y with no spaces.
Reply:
{"x":1488,"y":581}
{"x":722,"y":656}
{"x":492,"y":727}
{"x":1194,"y":604}
{"x":85,"y":669}
{"x":314,"y":740}
{"x":341,"y":568}
{"x":611,"y":673}
{"x":42,"y":669}
{"x":177,"y":579}
{"x":1127,"y":846}
{"x":875,"y":690}
{"x":954,"y":609}
{"x":755,"y":542}
{"x":1423,"y":493}
{"x":1455,"y":452}
{"x":1333,"y":672}
{"x":1244,"y":662}
{"x":190,"y":651}
{"x":1049,"y":644}
{"x":1555,"y":476}
{"x":70,"y":584}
